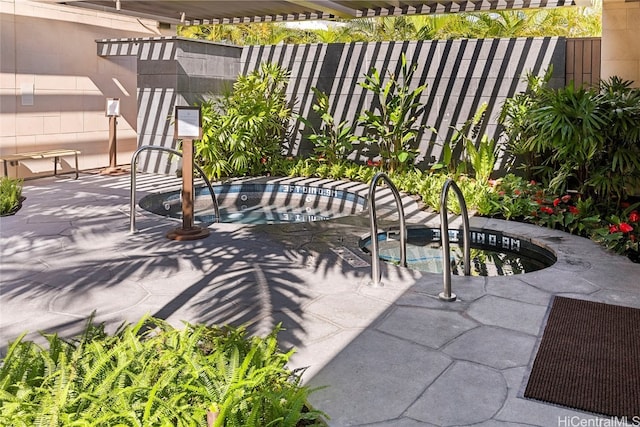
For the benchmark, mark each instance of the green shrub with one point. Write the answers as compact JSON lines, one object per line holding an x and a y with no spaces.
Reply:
{"x":333,"y":141}
{"x":585,"y":139}
{"x":244,"y":132}
{"x":391,"y":125}
{"x":621,"y":232}
{"x":150,"y":374}
{"x":10,"y":194}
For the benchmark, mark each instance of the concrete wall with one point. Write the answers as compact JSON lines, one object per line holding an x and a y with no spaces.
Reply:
{"x":53,"y":86}
{"x":172,"y":72}
{"x":621,"y":40}
{"x":460,"y":74}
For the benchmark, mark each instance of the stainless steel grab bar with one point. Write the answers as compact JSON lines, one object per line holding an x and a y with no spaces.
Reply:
{"x":447,"y":295}
{"x":134,"y":162}
{"x":376,"y":274}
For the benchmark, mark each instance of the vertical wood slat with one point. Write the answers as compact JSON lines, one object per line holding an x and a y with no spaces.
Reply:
{"x":583,"y":61}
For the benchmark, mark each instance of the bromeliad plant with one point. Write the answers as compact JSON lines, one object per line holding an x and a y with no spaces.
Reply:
{"x":150,"y":374}
{"x":391,"y":126}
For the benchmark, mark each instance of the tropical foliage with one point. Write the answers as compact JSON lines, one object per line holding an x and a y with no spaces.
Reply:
{"x":150,"y":374}
{"x":333,"y":141}
{"x":391,"y":124}
{"x":247,"y":128}
{"x":539,"y":22}
{"x":10,"y":195}
{"x":588,"y":139}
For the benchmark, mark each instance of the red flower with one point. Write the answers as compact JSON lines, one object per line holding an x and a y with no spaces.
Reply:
{"x":546,"y":209}
{"x":624,"y":205}
{"x":634,"y":216}
{"x":613,"y":228}
{"x":625,"y":228}
{"x":574,"y":210}
{"x":566,"y":198}
{"x":632,"y":237}
{"x":263,"y":160}
{"x":516,"y":192}
{"x":556,"y":202}
{"x":532,"y":182}
{"x":369,"y":162}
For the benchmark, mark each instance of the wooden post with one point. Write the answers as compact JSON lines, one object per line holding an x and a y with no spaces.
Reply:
{"x":113,"y":112}
{"x":188,"y":126}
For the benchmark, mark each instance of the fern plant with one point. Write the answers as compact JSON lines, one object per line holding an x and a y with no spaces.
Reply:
{"x":150,"y":374}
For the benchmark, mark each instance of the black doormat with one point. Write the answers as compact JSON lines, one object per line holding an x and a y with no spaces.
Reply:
{"x":589,"y":358}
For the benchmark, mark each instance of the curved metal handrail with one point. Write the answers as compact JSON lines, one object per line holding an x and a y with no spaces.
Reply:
{"x":134,"y":162}
{"x":376,"y":274}
{"x":446,"y":295}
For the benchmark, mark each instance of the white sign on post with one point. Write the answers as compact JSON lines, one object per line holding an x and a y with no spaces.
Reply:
{"x":188,"y":123}
{"x":113,"y":107}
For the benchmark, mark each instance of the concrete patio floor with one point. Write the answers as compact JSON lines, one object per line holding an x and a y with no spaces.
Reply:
{"x":389,"y":356}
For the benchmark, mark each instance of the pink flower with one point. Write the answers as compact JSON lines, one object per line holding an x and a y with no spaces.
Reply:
{"x":263,"y":160}
{"x":634,"y":216}
{"x":574,"y":210}
{"x":625,"y":228}
{"x":613,"y":228}
{"x":532,"y":182}
{"x":546,"y":209}
{"x":556,"y":202}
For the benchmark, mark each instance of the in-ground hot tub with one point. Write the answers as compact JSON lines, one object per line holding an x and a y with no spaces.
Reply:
{"x":493,"y":253}
{"x":261,"y":203}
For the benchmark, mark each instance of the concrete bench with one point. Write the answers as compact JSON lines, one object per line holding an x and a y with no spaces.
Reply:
{"x":14,"y":159}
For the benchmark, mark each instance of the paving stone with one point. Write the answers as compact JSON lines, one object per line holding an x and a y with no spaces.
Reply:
{"x":347,"y":310}
{"x":495,"y":347}
{"x":105,"y":299}
{"x":362,"y":390}
{"x":508,"y":314}
{"x":555,"y":281}
{"x":515,"y":289}
{"x":433,"y":328}
{"x":465,"y":393}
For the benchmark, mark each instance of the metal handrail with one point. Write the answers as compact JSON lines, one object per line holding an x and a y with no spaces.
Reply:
{"x":376,"y":274}
{"x":446,"y":295}
{"x":134,"y":162}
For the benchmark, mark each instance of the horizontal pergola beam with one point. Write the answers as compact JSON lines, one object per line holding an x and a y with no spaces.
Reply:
{"x":197,"y":12}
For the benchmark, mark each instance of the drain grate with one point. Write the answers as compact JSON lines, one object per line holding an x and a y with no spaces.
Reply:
{"x":350,"y":257}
